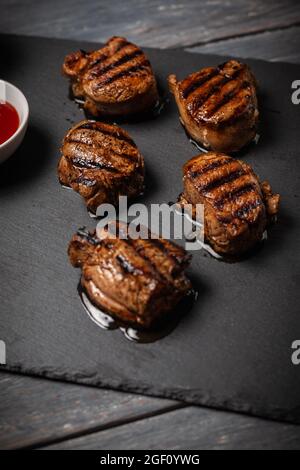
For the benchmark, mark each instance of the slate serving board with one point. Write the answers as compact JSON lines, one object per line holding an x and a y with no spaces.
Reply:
{"x":233,"y":350}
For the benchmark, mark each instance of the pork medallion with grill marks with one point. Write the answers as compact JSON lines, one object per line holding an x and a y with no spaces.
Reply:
{"x":101,"y":162}
{"x":116,"y":80}
{"x":136,"y":281}
{"x":237,"y":206}
{"x":218,"y":106}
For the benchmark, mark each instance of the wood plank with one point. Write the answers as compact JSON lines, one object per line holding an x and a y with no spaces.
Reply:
{"x":281,"y":45}
{"x":34,"y":411}
{"x":192,"y":428}
{"x":156,"y":23}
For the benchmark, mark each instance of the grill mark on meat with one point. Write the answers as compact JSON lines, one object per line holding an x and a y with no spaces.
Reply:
{"x":221,"y":181}
{"x":246,"y":208}
{"x":98,"y":61}
{"x":197,"y":83}
{"x":89,"y":237}
{"x":237,"y":68}
{"x":140,"y":250}
{"x":216,"y":99}
{"x":116,"y":166}
{"x":211,"y":166}
{"x":122,"y":44}
{"x":114,"y":80}
{"x":126,"y":156}
{"x":227,"y":98}
{"x":234,"y":194}
{"x":104,"y":56}
{"x":123,"y":60}
{"x":85,"y":181}
{"x":92,"y":164}
{"x":201,"y":98}
{"x":135,"y":68}
{"x":143,"y":290}
{"x":160,"y":245}
{"x":128,"y":267}
{"x":97,"y":127}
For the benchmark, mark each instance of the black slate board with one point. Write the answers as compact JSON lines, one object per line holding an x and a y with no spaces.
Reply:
{"x":233,"y":350}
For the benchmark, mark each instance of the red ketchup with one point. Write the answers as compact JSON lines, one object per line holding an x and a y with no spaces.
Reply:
{"x":9,"y":121}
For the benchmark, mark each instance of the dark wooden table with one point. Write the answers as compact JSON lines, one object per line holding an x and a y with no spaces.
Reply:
{"x":39,"y":413}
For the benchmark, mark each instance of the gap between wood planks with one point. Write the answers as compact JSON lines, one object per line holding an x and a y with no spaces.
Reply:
{"x":241,"y":35}
{"x":114,"y":424}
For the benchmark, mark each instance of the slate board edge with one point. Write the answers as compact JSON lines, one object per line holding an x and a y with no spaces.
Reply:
{"x":197,"y":397}
{"x":185,"y":49}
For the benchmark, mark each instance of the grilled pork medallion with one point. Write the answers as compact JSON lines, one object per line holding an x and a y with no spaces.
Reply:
{"x":136,"y":281}
{"x":218,"y":106}
{"x":116,"y":80}
{"x":237,"y":207}
{"x":101,"y":162}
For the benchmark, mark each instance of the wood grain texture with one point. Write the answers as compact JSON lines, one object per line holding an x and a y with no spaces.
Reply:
{"x":281,"y":45}
{"x":157,"y":23}
{"x":192,"y":428}
{"x":34,"y":411}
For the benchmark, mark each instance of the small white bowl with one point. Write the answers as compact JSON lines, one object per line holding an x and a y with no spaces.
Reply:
{"x":14,"y":96}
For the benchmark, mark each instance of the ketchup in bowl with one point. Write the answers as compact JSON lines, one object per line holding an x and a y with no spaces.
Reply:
{"x":9,"y":121}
